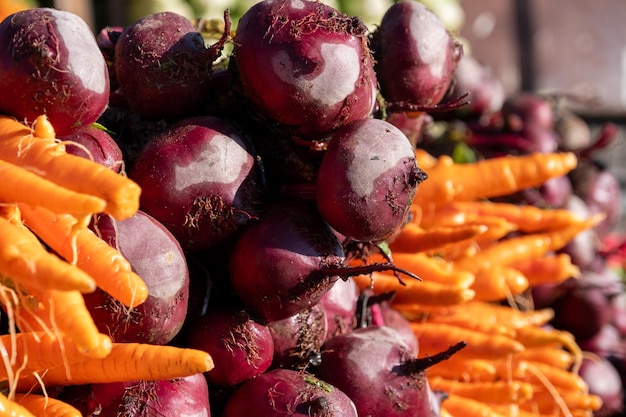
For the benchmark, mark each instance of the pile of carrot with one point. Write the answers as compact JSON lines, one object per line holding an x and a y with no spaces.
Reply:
{"x":49,"y":258}
{"x":477,"y":260}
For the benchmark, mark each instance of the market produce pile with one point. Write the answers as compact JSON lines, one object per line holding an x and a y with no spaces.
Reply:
{"x":299,"y":215}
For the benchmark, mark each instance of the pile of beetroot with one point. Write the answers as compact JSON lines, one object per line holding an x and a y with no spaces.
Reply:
{"x":264,"y":172}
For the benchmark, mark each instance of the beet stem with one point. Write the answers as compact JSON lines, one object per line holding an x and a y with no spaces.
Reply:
{"x":350,"y":271}
{"x":407,"y":106}
{"x":421,"y":364}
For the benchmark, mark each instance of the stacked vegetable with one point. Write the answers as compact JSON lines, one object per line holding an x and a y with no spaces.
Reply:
{"x":264,"y":233}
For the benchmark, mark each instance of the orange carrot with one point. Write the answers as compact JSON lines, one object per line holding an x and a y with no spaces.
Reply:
{"x":45,"y":406}
{"x":415,"y":292}
{"x":108,"y":267}
{"x":28,"y":263}
{"x":12,"y":409}
{"x":550,"y":269}
{"x":464,"y":369}
{"x":413,"y":238}
{"x":490,"y":391}
{"x":528,"y":218}
{"x":468,"y":322}
{"x":127,"y":362}
{"x":45,"y":156}
{"x":545,"y":401}
{"x":436,"y":337}
{"x":424,"y":159}
{"x":550,"y":355}
{"x":69,"y":315}
{"x":24,"y":186}
{"x":532,"y":336}
{"x":448,"y":181}
{"x":498,"y":283}
{"x":38,"y":351}
{"x":428,"y":268}
{"x":520,"y":248}
{"x":459,"y":406}
{"x":539,"y":374}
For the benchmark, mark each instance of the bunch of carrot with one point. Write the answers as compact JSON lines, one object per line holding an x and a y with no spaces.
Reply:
{"x":49,"y":258}
{"x":477,"y":259}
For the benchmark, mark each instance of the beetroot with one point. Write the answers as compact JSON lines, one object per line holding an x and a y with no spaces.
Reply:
{"x":380,"y":373}
{"x":527,"y":108}
{"x":604,"y":380}
{"x":51,"y":63}
{"x":290,"y":393}
{"x":158,"y":259}
{"x":96,"y":144}
{"x":415,"y":55}
{"x":163,"y":66}
{"x":305,"y":65}
{"x":277,"y":264}
{"x":188,"y":396}
{"x":199,"y":179}
{"x":367,"y":180}
{"x":240,"y":347}
{"x":298,"y":339}
{"x":339,"y":305}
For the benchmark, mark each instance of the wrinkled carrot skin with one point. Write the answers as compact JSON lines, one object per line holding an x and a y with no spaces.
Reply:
{"x":459,"y":406}
{"x":43,"y":406}
{"x":108,"y":267}
{"x":552,"y":269}
{"x":524,"y":247}
{"x":127,"y":362}
{"x":527,"y":218}
{"x":30,"y":265}
{"x":12,"y":409}
{"x":436,"y":337}
{"x":448,"y":181}
{"x":47,"y":157}
{"x":498,"y":283}
{"x":41,"y":191}
{"x":38,"y":351}
{"x":415,"y":292}
{"x":413,"y":238}
{"x":492,"y":391}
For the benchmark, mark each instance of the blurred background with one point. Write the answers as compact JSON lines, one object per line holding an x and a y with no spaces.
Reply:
{"x":572,"y":48}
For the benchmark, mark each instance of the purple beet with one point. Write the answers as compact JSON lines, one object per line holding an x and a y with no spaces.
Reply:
{"x":380,"y":373}
{"x":95,"y":144}
{"x":340,"y":307}
{"x":298,"y":339}
{"x":290,"y":393}
{"x":240,"y":347}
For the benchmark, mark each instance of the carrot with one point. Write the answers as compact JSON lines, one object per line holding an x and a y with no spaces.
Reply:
{"x":532,"y":336}
{"x":490,"y":391}
{"x":413,"y":238}
{"x":436,"y":337}
{"x":468,"y":322}
{"x":424,"y":159}
{"x":108,"y":267}
{"x":11,"y":408}
{"x":528,"y":218}
{"x":459,"y":406}
{"x":498,"y":283}
{"x":415,"y":292}
{"x":24,"y":186}
{"x":551,"y":269}
{"x":550,"y":355}
{"x":448,"y":181}
{"x":127,"y":362}
{"x":464,"y":369}
{"x":40,"y":350}
{"x":428,"y":268}
{"x":68,"y":314}
{"x":520,"y":248}
{"x":539,"y":374}
{"x":44,"y":406}
{"x":46,"y":157}
{"x":544,"y":401}
{"x":29,"y":264}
